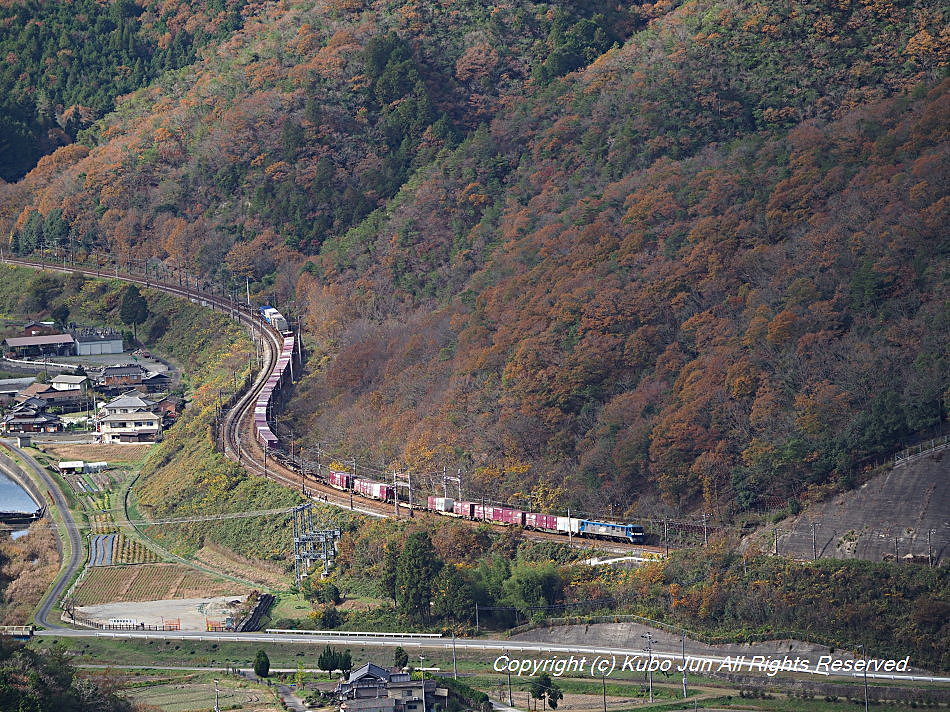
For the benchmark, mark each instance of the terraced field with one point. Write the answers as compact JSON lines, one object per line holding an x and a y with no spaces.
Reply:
{"x":148,"y":582}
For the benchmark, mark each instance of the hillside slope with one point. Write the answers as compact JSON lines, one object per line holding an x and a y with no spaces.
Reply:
{"x":888,"y":516}
{"x":710,"y":266}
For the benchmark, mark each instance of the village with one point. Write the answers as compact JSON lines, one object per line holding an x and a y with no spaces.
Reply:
{"x":83,"y":382}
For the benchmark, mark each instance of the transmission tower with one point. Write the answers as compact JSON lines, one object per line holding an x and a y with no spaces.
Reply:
{"x":312,"y":543}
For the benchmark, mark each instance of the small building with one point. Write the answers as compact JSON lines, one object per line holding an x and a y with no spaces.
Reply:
{"x":69,"y":382}
{"x":372,"y":688}
{"x":71,"y":467}
{"x":95,"y":342}
{"x":39,"y":328}
{"x":48,"y":345}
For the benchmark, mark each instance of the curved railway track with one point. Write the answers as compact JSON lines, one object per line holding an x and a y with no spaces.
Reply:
{"x":239,"y":441}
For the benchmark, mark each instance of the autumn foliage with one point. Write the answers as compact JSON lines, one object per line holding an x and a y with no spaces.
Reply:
{"x":683,"y":252}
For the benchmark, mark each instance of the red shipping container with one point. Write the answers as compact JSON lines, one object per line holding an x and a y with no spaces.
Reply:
{"x":540,"y":521}
{"x":464,"y":509}
{"x":514,"y":517}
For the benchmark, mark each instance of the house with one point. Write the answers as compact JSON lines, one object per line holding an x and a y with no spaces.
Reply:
{"x":66,"y":400}
{"x":372,"y":688}
{"x":123,"y":376}
{"x":131,"y":428}
{"x":94,"y":342}
{"x":130,"y":402}
{"x":129,"y":419}
{"x":9,"y":387}
{"x":30,"y":417}
{"x":157,"y":382}
{"x":39,"y":328}
{"x":47,"y":345}
{"x":68,"y":382}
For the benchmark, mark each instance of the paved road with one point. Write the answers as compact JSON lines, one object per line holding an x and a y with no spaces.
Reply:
{"x":76,"y":553}
{"x":596,"y":660}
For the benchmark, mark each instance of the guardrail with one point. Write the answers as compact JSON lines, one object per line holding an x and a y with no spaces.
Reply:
{"x":921,"y":449}
{"x":352,"y":633}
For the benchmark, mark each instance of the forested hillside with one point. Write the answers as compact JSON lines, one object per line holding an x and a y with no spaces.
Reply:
{"x":689,"y":250}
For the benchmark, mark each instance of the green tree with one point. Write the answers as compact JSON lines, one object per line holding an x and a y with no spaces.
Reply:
{"x":543,"y":688}
{"x":416,"y":570}
{"x":134,"y":309}
{"x":532,"y":586}
{"x":400,"y":657}
{"x":261,"y":664}
{"x":452,"y":597}
{"x":390,"y":565}
{"x":60,"y":314}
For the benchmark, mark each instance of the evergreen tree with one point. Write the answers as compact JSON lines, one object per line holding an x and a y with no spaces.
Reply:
{"x":134,"y":308}
{"x":261,"y":664}
{"x":400,"y":657}
{"x":416,"y":570}
{"x":390,"y":564}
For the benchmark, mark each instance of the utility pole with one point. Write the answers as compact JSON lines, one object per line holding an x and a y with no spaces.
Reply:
{"x":814,"y":541}
{"x":455,"y":667}
{"x":666,"y":534}
{"x":570,"y":536}
{"x":649,"y":637}
{"x":775,"y":540}
{"x":705,"y":533}
{"x":930,"y":549}
{"x":864,"y":655}
{"x":216,"y":707}
{"x":603,"y":679}
{"x":685,"y":692}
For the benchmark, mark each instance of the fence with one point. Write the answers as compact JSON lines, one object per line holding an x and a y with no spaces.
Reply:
{"x":920,"y":450}
{"x":89,"y":623}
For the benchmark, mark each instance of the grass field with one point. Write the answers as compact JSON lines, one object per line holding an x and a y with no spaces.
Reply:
{"x":149,"y":582}
{"x":185,"y":697}
{"x":94,"y":452}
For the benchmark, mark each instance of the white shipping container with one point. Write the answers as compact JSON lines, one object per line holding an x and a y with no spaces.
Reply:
{"x":444,"y":504}
{"x":568,"y":524}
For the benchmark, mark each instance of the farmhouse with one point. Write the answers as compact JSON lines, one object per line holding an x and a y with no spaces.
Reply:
{"x":30,"y":417}
{"x":66,"y":400}
{"x":372,"y":688}
{"x":128,"y":375}
{"x":9,"y":387}
{"x":39,"y":328}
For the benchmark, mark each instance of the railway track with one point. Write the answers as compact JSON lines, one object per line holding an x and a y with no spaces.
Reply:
{"x":239,"y":443}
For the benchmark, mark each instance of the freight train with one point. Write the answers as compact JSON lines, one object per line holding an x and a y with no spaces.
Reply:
{"x":282,"y":369}
{"x":387,"y":493}
{"x":507,"y":516}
